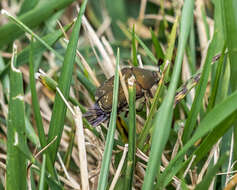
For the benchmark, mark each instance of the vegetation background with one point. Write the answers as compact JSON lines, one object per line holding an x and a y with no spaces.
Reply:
{"x":181,"y":138}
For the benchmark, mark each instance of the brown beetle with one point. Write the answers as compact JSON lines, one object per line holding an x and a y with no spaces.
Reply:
{"x":145,"y":79}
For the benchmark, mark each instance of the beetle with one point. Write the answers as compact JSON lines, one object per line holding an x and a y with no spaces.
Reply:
{"x":100,"y":112}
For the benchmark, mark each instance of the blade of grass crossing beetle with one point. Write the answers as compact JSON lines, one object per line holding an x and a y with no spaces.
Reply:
{"x":131,"y":135}
{"x":59,"y":108}
{"x":162,"y":120}
{"x":16,"y":161}
{"x":103,"y":177}
{"x":147,"y":126}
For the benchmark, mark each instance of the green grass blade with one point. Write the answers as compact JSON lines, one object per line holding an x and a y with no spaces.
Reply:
{"x":4,"y":80}
{"x":158,"y":49}
{"x":59,"y":108}
{"x":102,"y":183}
{"x":210,"y":122}
{"x":192,"y":62}
{"x":131,"y":135}
{"x":16,"y":161}
{"x":204,"y":18}
{"x":212,"y":99}
{"x":162,"y":121}
{"x":146,"y":49}
{"x":134,"y":49}
{"x":42,"y":173}
{"x":36,"y":16}
{"x":35,"y":102}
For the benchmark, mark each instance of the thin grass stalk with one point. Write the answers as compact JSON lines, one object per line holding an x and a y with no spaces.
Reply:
{"x":42,"y":173}
{"x":162,"y":120}
{"x":212,"y":99}
{"x":157,"y":46}
{"x":134,"y":49}
{"x":102,"y":183}
{"x":16,"y":161}
{"x":35,"y":101}
{"x":131,"y":135}
{"x":204,"y":18}
{"x":146,"y":49}
{"x":59,"y":108}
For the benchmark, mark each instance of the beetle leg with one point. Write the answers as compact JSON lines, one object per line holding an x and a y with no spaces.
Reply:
{"x":149,"y":93}
{"x":140,"y":108}
{"x":126,"y":113}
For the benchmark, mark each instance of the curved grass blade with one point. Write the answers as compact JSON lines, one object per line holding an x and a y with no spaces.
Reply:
{"x":162,"y":121}
{"x":102,"y":183}
{"x":59,"y":108}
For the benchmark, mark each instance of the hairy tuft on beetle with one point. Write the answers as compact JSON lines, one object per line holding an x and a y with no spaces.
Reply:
{"x":100,"y":112}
